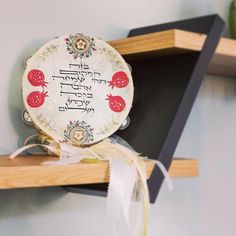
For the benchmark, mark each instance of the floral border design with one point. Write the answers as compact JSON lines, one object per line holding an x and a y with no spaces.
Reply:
{"x":78,"y":126}
{"x":80,"y":46}
{"x":48,"y":52}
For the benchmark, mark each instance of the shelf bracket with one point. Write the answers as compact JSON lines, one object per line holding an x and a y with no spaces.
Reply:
{"x":165,"y":90}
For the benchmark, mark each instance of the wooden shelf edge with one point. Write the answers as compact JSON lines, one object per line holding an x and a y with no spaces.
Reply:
{"x":168,"y":39}
{"x":174,"y":41}
{"x":24,"y":172}
{"x":144,"y":43}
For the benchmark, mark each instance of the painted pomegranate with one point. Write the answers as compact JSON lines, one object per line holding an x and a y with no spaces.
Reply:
{"x":36,"y":78}
{"x":116,"y":103}
{"x":36,"y":99}
{"x":119,"y":80}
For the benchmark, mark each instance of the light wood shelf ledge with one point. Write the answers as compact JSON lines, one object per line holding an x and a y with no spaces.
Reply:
{"x":178,"y":41}
{"x":27,"y":171}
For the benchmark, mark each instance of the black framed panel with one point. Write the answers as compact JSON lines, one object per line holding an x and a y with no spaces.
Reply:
{"x":165,"y":91}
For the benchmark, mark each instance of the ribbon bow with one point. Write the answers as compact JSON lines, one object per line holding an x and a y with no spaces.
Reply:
{"x":128,"y":195}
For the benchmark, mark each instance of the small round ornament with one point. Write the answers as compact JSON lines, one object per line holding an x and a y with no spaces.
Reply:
{"x":27,"y":119}
{"x":77,"y":89}
{"x":125,"y":124}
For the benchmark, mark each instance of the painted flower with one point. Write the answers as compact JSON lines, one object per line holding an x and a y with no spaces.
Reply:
{"x":78,"y":135}
{"x":80,"y":44}
{"x":78,"y":132}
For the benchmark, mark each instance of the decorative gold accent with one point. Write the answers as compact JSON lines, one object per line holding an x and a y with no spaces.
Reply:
{"x":78,"y":135}
{"x":81,"y":44}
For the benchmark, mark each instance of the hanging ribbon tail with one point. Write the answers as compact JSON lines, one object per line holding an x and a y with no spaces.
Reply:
{"x":167,"y":178}
{"x":120,"y":193}
{"x":128,"y":187}
{"x":128,"y":194}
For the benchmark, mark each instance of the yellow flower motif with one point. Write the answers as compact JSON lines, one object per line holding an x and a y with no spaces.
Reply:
{"x":78,"y":135}
{"x":81,"y":44}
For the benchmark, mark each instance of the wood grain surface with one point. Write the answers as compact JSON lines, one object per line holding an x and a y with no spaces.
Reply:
{"x":179,"y":41}
{"x":24,"y":171}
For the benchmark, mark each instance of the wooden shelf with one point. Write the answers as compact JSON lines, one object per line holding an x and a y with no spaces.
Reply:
{"x":178,"y":41}
{"x":23,"y":172}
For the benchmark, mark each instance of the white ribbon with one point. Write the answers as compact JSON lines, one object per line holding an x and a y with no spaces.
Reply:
{"x":167,"y":178}
{"x":24,"y":148}
{"x":128,"y":195}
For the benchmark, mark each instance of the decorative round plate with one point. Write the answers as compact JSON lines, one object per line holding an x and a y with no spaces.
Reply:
{"x":77,"y":89}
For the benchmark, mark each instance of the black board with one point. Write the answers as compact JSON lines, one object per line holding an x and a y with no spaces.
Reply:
{"x":165,"y":90}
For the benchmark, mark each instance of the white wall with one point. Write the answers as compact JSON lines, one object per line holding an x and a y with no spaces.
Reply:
{"x":198,"y":206}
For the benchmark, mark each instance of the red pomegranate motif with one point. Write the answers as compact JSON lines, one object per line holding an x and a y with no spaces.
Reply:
{"x":36,"y":99}
{"x":37,"y":78}
{"x":116,"y":103}
{"x":119,"y":80}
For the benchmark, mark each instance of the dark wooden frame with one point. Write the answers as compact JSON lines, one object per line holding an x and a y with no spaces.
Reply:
{"x":165,"y":90}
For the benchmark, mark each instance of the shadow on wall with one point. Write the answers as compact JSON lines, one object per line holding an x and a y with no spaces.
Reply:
{"x":15,"y":102}
{"x":24,"y":201}
{"x":20,"y":202}
{"x":191,"y":8}
{"x":202,"y":7}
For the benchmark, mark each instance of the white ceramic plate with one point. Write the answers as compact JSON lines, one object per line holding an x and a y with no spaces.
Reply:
{"x":77,"y":89}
